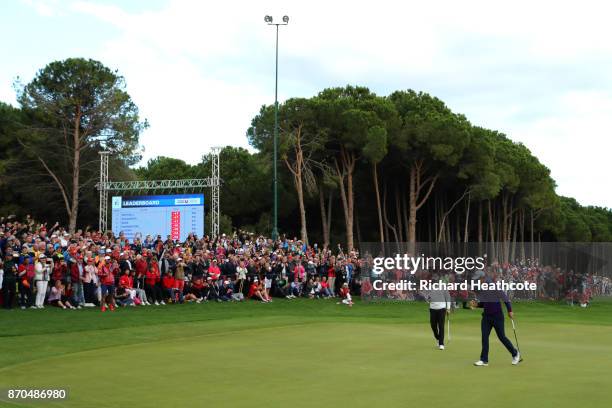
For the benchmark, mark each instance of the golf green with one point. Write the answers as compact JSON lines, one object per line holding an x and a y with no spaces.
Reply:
{"x":303,"y":353}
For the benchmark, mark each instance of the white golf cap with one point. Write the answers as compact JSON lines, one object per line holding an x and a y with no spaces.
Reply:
{"x":107,"y":257}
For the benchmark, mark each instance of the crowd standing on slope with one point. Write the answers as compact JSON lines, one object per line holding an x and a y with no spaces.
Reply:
{"x":44,"y":265}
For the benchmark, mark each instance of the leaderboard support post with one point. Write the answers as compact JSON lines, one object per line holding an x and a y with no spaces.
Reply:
{"x":270,"y":21}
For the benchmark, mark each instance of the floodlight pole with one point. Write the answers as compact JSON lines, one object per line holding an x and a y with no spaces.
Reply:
{"x":275,"y":225}
{"x":269,"y":20}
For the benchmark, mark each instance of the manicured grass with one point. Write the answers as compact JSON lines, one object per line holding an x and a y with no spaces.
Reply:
{"x":304,"y":353}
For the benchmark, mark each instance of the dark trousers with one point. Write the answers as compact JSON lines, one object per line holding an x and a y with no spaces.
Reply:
{"x":89,"y":291}
{"x":436,"y":319}
{"x":26,"y":298}
{"x":496,"y":322}
{"x":154,"y":293}
{"x":8,"y":294}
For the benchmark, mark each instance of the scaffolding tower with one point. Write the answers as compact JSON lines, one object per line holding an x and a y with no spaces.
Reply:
{"x":103,"y":191}
{"x":214,"y":205}
{"x":213,"y":182}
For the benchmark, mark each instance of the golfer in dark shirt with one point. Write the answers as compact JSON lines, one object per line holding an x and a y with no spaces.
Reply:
{"x":493,"y":318}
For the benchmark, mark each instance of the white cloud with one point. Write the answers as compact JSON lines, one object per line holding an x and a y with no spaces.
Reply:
{"x":540,"y":72}
{"x":47,"y":8}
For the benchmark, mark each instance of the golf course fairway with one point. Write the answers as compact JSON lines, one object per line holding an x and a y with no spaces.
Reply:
{"x":304,"y":353}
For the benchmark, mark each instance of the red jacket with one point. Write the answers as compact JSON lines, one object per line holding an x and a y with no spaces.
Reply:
{"x":152,"y":278}
{"x":59,"y":271}
{"x":214,"y":271}
{"x":74,"y":273}
{"x":168,"y":282}
{"x":141,"y":267}
{"x":106,"y":276}
{"x":126,"y":281}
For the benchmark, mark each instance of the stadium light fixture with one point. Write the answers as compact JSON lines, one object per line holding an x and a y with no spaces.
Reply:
{"x":270,"y":21}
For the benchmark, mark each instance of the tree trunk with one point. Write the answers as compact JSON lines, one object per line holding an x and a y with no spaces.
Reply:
{"x":415,"y":200}
{"x":467,"y":220}
{"x":480,"y":227}
{"x":303,"y":229}
{"x":442,"y":226}
{"x":491,"y":230}
{"x":387,"y":223}
{"x":458,"y":227}
{"x":514,"y":232}
{"x":532,"y":254}
{"x":412,"y":212}
{"x":297,"y":168}
{"x":504,"y":227}
{"x":378,"y":207}
{"x":323,"y":218}
{"x":351,"y":210}
{"x":398,"y":214}
{"x":357,"y":229}
{"x":436,"y":202}
{"x":76,"y":168}
{"x":330,"y":200}
{"x":522,"y":219}
{"x":404,"y":214}
{"x":348,"y":160}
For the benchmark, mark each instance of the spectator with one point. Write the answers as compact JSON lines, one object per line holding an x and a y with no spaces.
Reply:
{"x":255,"y":291}
{"x":152,"y":287}
{"x":296,"y":289}
{"x":26,"y":274}
{"x":107,"y":285}
{"x":58,"y":297}
{"x":9,"y":280}
{"x":168,"y":286}
{"x":89,"y":282}
{"x":42,"y":272}
{"x":345,"y":294}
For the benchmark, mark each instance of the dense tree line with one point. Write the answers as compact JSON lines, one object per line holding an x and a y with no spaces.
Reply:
{"x":353,"y":166}
{"x":70,"y":111}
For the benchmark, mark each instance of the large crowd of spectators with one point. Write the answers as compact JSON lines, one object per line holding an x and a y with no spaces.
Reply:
{"x":553,"y":283}
{"x":46,"y":265}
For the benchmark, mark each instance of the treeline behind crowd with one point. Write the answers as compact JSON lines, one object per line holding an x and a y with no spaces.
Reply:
{"x":353,"y":166}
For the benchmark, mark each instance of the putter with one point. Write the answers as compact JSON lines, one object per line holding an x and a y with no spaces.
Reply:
{"x":448,"y":323}
{"x":516,"y":339}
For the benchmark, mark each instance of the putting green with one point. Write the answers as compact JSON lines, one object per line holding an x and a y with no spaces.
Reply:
{"x":279,"y":357}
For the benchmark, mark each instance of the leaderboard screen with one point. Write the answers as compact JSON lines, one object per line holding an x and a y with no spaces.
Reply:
{"x":174,"y":215}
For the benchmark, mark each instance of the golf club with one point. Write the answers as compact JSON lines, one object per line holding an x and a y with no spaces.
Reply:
{"x":516,"y":339}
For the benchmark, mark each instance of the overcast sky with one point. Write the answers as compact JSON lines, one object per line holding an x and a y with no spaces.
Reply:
{"x":538,"y":71}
